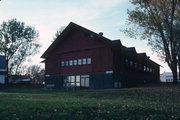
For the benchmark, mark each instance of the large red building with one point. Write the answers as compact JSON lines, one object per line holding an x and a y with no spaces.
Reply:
{"x":80,"y":58}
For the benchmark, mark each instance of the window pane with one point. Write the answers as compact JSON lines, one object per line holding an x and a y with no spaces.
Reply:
{"x":70,"y":62}
{"x":72,"y":78}
{"x":79,"y":61}
{"x":87,"y":82}
{"x":75,"y":62}
{"x":82,"y":82}
{"x":72,"y":84}
{"x":88,"y":60}
{"x":84,"y":61}
{"x":78,"y":79}
{"x":144,"y":68}
{"x":62,"y":63}
{"x":131,"y":63}
{"x":77,"y":84}
{"x":67,"y":63}
{"x":135,"y":65}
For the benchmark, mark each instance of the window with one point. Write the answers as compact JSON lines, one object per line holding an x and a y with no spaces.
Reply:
{"x":69,"y":81}
{"x":144,"y":68}
{"x":62,"y":63}
{"x":75,"y":62}
{"x":127,"y":62}
{"x":85,"y":81}
{"x":131,"y":63}
{"x":88,"y":60}
{"x":79,"y":61}
{"x":67,"y":63}
{"x":135,"y":65}
{"x":147,"y":69}
{"x":84,"y":61}
{"x":150,"y":69}
{"x":78,"y":80}
{"x":70,"y":63}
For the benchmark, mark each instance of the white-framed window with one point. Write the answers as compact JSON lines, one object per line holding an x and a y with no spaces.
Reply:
{"x":70,"y":62}
{"x":88,"y":60}
{"x":84,"y":61}
{"x":62,"y":63}
{"x":79,"y":61}
{"x":75,"y":62}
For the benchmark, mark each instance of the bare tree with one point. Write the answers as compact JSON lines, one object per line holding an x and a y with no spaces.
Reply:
{"x":36,"y":73}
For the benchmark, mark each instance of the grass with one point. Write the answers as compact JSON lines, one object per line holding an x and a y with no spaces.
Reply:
{"x":160,"y":102}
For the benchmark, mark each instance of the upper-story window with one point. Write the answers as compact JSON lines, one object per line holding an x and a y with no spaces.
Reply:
{"x":75,"y":62}
{"x":62,"y":63}
{"x":79,"y":62}
{"x":131,"y":63}
{"x":135,"y":65}
{"x":70,"y":62}
{"x":84,"y":61}
{"x":67,"y":63}
{"x":88,"y":60}
{"x":144,"y":68}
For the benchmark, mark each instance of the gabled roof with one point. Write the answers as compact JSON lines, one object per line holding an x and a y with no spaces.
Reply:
{"x":2,"y":62}
{"x":65,"y":32}
{"x":114,"y":44}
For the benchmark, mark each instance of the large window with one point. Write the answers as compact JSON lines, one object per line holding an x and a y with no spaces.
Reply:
{"x":85,"y":81}
{"x":76,"y":81}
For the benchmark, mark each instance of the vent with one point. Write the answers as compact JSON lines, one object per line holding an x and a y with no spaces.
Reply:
{"x":100,"y":33}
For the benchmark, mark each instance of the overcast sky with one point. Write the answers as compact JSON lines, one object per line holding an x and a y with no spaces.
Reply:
{"x":107,"y":16}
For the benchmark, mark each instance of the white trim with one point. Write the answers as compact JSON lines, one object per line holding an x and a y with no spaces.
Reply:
{"x":109,"y":72}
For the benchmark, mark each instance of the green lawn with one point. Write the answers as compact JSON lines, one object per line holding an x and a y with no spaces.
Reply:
{"x":160,"y":102}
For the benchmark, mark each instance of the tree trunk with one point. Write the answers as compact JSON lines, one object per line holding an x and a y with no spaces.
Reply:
{"x":174,"y":72}
{"x":179,"y":65}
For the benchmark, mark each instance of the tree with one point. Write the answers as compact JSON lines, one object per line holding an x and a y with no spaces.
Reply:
{"x":18,"y":42}
{"x":58,"y":32}
{"x":157,"y":21}
{"x":36,"y":73}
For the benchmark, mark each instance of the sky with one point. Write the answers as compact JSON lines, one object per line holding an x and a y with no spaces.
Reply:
{"x":107,"y":16}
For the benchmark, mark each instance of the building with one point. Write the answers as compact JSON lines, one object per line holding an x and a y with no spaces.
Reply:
{"x":2,"y":69}
{"x":167,"y":77}
{"x":80,"y":58}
